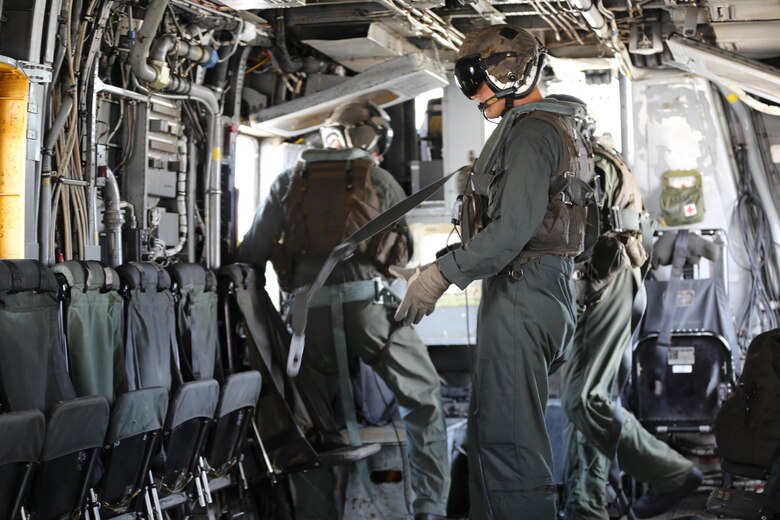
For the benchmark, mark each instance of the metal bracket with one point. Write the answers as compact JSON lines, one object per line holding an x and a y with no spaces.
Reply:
{"x":691,"y":20}
{"x":35,"y":72}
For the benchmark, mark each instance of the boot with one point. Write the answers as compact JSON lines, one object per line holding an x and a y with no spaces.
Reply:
{"x":654,"y":504}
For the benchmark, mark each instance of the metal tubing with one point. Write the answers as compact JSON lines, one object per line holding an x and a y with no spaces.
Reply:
{"x":192,"y":183}
{"x":140,"y":51}
{"x":44,"y":251}
{"x":58,"y":124}
{"x":167,"y":44}
{"x":113,"y":219}
{"x":213,"y":192}
{"x":117,"y":91}
{"x":592,"y":16}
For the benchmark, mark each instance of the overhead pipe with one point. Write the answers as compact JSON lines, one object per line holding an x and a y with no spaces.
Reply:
{"x":48,"y":150}
{"x":169,"y":44}
{"x":113,"y":217}
{"x":593,"y":17}
{"x":143,"y":43}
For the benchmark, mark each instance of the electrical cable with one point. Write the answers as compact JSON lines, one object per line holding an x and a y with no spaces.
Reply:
{"x":758,"y":313}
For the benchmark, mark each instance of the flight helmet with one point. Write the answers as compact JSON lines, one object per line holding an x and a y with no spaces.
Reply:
{"x":509,"y":59}
{"x":358,"y":124}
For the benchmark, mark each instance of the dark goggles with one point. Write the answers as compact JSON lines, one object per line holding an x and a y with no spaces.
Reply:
{"x":471,"y":72}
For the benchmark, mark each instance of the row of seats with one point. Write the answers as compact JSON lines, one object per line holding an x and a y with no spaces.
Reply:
{"x":123,"y":365}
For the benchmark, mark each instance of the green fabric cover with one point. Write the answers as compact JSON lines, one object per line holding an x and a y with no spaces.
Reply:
{"x":94,"y":321}
{"x":196,"y":323}
{"x":32,"y":358}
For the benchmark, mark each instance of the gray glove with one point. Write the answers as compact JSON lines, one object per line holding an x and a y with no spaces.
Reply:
{"x":425,"y":286}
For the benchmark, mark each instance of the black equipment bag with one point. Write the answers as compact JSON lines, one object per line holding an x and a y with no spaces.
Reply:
{"x":94,"y":328}
{"x":747,"y":428}
{"x":151,"y":352}
{"x":685,"y":357}
{"x":33,"y":359}
{"x":195,"y":290}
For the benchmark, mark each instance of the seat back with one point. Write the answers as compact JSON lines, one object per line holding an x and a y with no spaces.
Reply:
{"x":247,"y":309}
{"x":134,"y":429}
{"x":195,"y":289}
{"x":685,"y":356}
{"x":33,"y":360}
{"x":184,"y":434}
{"x":234,"y":414}
{"x":151,"y":353}
{"x":22,"y":435}
{"x":74,"y":435}
{"x":94,"y":328}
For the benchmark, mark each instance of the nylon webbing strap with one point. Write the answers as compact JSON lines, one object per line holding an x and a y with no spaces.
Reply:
{"x":670,"y":301}
{"x":345,"y":386}
{"x":341,"y":252}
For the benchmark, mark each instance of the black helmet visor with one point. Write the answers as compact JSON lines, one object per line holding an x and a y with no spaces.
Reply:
{"x":469,"y":74}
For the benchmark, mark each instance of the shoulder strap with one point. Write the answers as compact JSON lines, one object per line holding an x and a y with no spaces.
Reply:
{"x":670,"y":300}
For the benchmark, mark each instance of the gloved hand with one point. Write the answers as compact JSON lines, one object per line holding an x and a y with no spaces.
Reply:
{"x":425,"y":286}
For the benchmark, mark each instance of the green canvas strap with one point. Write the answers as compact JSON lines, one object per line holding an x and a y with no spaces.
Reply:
{"x":337,"y":301}
{"x":375,"y":289}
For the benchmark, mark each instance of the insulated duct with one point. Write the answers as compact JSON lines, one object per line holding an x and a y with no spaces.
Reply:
{"x":113,"y":217}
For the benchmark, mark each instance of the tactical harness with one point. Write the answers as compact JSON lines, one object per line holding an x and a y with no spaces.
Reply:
{"x":573,"y":187}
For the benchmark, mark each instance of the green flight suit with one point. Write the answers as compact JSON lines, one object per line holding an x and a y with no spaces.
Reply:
{"x":587,"y":378}
{"x":525,"y":324}
{"x":395,"y":352}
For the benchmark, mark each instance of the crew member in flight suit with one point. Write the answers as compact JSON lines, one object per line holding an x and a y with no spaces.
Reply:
{"x":532,"y":174}
{"x":609,"y":280}
{"x":311,"y":209}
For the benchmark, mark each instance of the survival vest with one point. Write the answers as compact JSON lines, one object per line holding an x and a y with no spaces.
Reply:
{"x":326,"y":202}
{"x":563,"y":229}
{"x":623,"y":224}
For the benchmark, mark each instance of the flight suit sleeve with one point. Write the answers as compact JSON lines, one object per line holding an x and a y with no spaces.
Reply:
{"x":518,"y":200}
{"x":267,"y":227}
{"x":391,"y":193}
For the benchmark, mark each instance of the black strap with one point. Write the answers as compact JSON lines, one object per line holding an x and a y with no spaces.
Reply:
{"x":141,"y":275}
{"x":670,"y":300}
{"x":16,"y":278}
{"x":341,"y":252}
